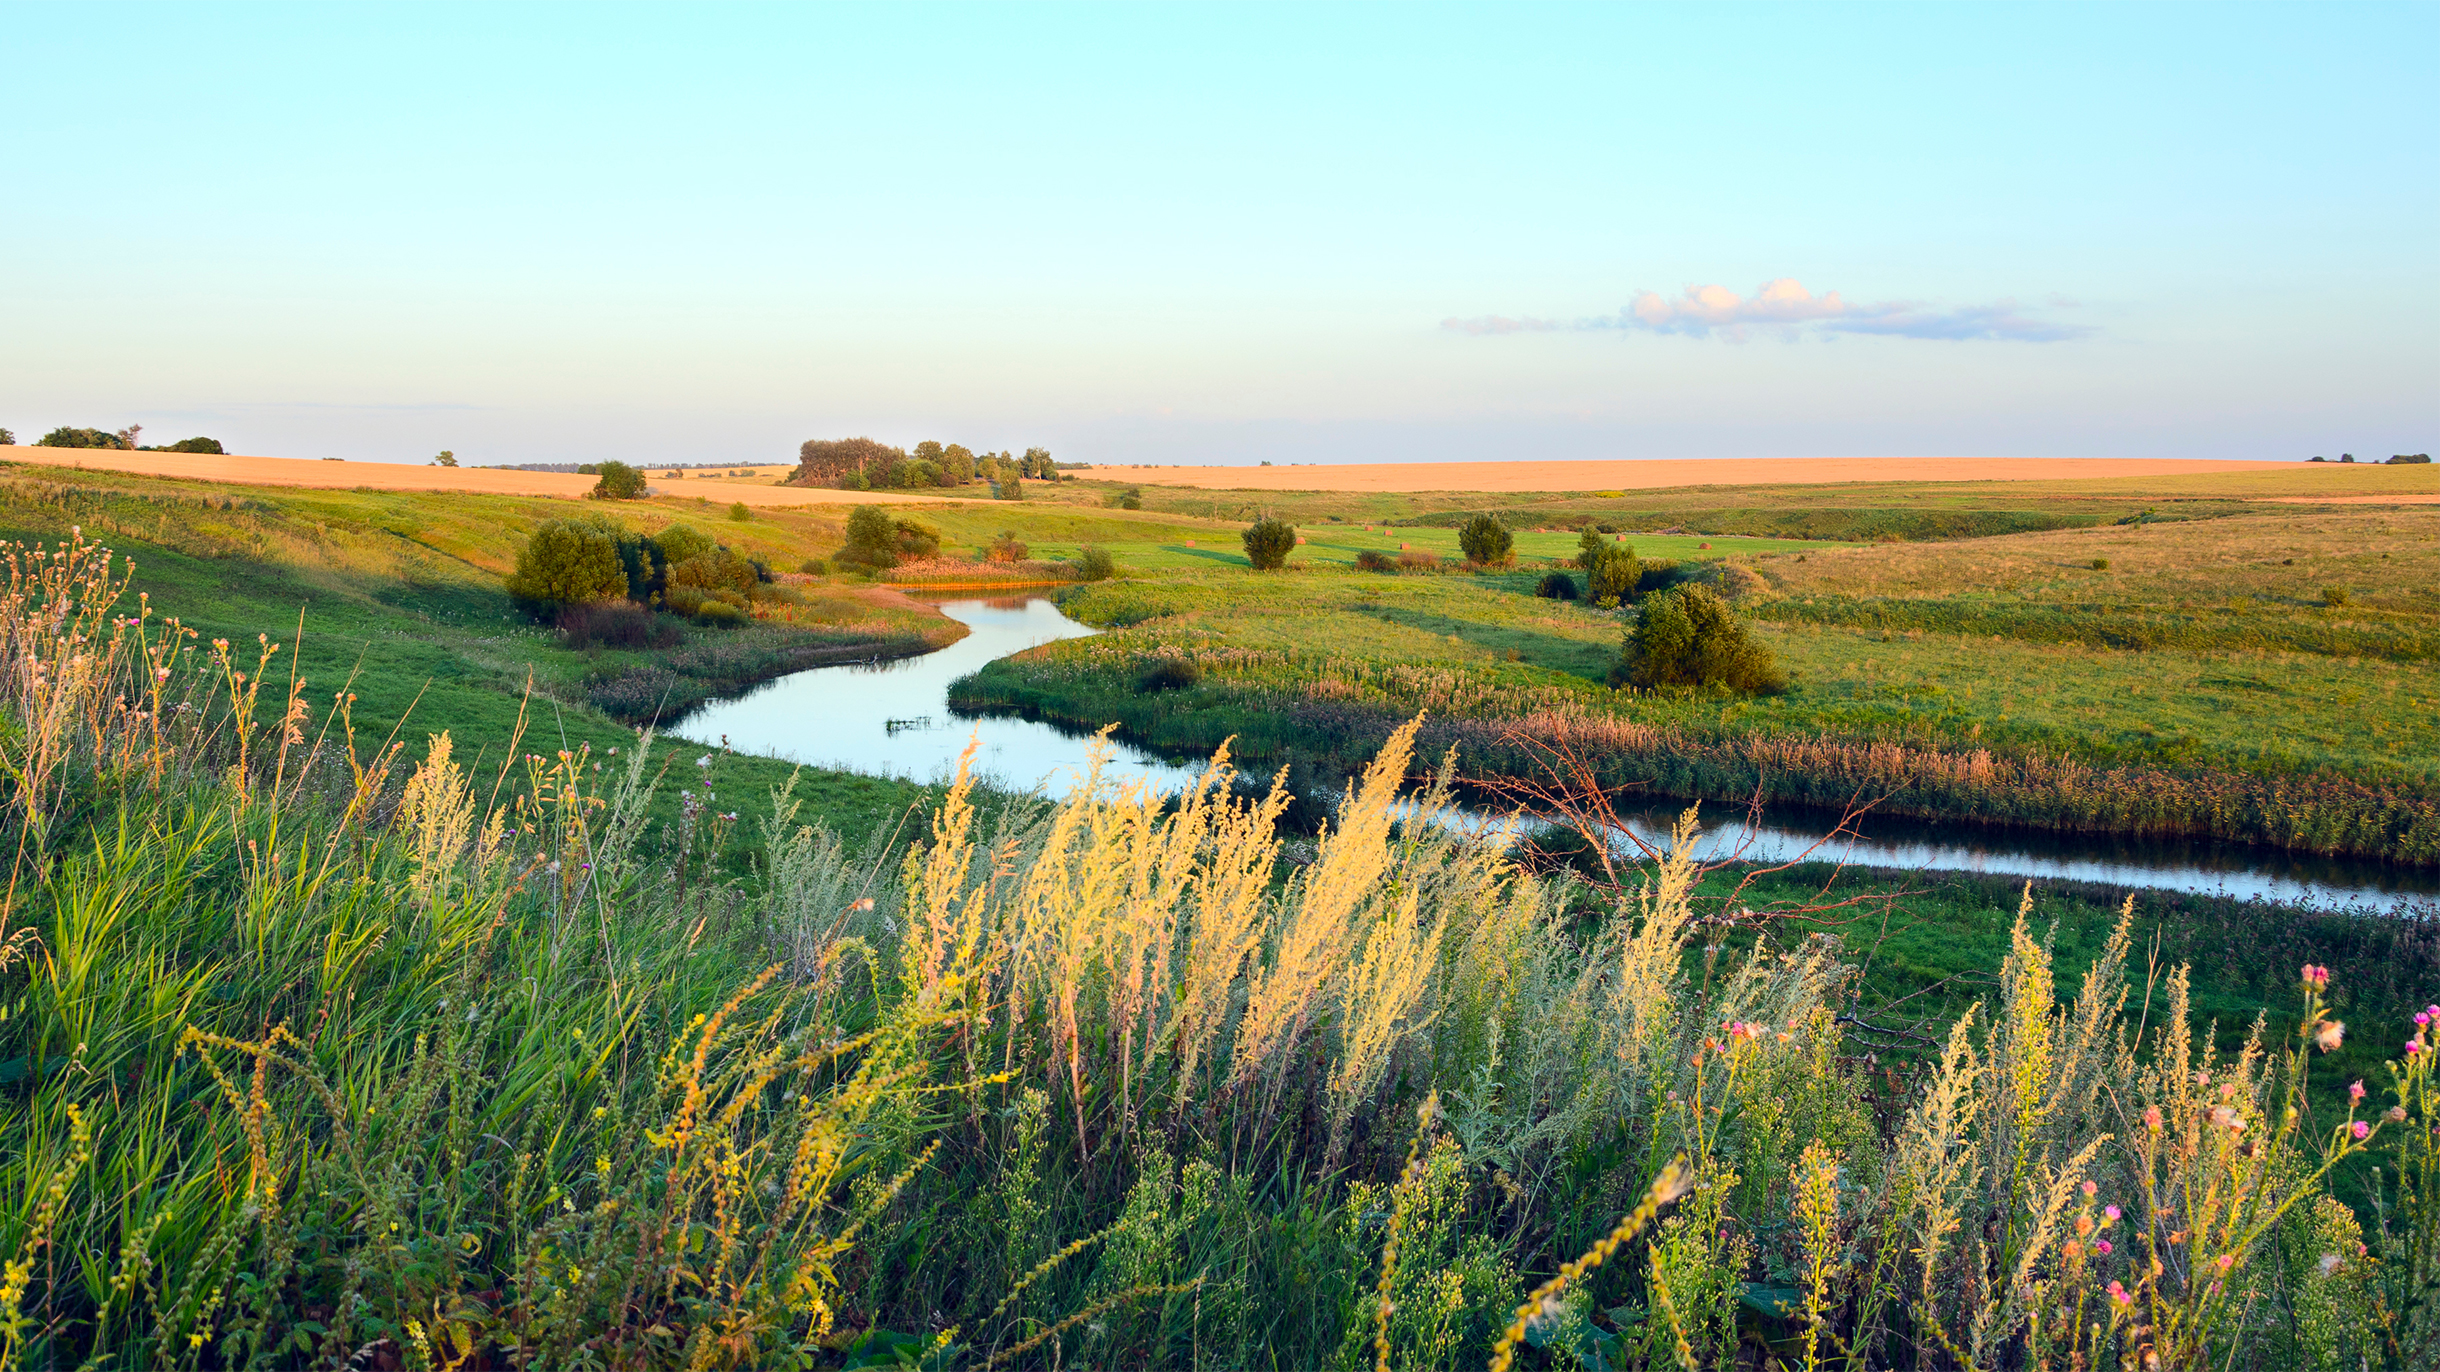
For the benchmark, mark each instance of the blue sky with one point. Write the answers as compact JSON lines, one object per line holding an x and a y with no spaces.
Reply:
{"x":1233,"y":233}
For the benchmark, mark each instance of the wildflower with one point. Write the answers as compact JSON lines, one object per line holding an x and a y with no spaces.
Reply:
{"x":2102,"y":1246}
{"x":2111,"y":1211}
{"x":704,"y":761}
{"x":2356,"y":1091}
{"x":2151,"y":1117}
{"x":2395,"y":1114}
{"x":2422,"y":1017}
{"x":2224,"y":1117}
{"x":2413,"y":1048}
{"x":2329,"y":1264}
{"x":2361,"y":1130}
{"x":2119,"y":1294}
{"x":2315,"y":978}
{"x":2224,"y":1261}
{"x":2328,"y":1034}
{"x":2091,"y":1188}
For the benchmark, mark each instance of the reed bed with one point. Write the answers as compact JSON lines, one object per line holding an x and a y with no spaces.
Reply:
{"x":322,"y":1055}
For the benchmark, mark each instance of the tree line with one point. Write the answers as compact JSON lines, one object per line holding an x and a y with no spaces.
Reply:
{"x":866,"y":464}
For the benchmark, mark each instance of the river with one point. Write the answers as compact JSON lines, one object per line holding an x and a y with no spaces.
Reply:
{"x":893,"y":719}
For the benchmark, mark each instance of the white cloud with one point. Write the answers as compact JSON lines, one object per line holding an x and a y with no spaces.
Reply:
{"x":1786,"y":305}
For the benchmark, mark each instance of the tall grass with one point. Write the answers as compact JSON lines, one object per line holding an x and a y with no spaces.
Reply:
{"x":316,"y":1058}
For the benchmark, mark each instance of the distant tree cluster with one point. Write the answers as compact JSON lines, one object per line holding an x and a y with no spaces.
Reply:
{"x":123,"y":440}
{"x":866,"y":464}
{"x":596,"y":560}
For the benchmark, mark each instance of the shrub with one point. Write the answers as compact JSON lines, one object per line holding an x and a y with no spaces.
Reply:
{"x":207,"y":445}
{"x":2409,"y":460}
{"x":1168,"y":674}
{"x":1418,"y":560}
{"x":2334,"y":596}
{"x":716,"y":570}
{"x":1095,"y":564}
{"x":1268,"y":541}
{"x":619,"y":482}
{"x":568,"y":562}
{"x":680,"y":542}
{"x":78,"y":438}
{"x":871,"y":542}
{"x":1689,"y":637}
{"x":614,"y":624}
{"x":1614,"y":574}
{"x":1486,"y":541}
{"x":1374,"y":560}
{"x":721,"y":612}
{"x":1131,"y":499}
{"x":2101,"y":564}
{"x":1006,"y":548}
{"x":1556,"y":586}
{"x":738,"y":513}
{"x":813,"y":566}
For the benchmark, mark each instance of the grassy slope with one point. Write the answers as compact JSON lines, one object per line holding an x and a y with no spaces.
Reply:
{"x":1948,"y":646}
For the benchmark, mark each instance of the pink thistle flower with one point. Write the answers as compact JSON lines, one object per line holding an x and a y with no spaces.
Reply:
{"x":2329,"y":1034}
{"x":2091,"y":1188}
{"x":2118,"y":1293}
{"x":2110,"y":1210}
{"x":2362,"y":1131}
{"x":2356,"y":1091}
{"x":2102,"y":1246}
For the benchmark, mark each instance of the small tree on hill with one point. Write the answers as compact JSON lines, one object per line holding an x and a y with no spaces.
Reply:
{"x":204,"y":445}
{"x":1688,"y":637}
{"x":618,"y":482}
{"x":1268,"y":541}
{"x":445,"y":459}
{"x":679,"y":542}
{"x":568,"y":563}
{"x":1613,"y":574}
{"x":871,"y":541}
{"x":1039,"y":466}
{"x":7,"y":439}
{"x":1486,"y":541}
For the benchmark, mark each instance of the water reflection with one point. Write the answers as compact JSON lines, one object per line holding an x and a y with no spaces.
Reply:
{"x":893,"y":719}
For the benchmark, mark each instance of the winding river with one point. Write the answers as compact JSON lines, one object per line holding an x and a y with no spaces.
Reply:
{"x":893,"y":719}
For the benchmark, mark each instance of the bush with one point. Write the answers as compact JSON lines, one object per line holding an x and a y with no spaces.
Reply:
{"x":1095,"y":564}
{"x":1486,"y":542}
{"x":1418,"y":560}
{"x":714,"y":571}
{"x":78,"y":438}
{"x":1168,"y":674}
{"x":2409,"y":460}
{"x":813,"y":566}
{"x":199,"y":445}
{"x":619,"y":482}
{"x":721,"y":612}
{"x":1689,"y":637}
{"x":2334,"y":596}
{"x":738,"y":513}
{"x":679,"y":542}
{"x":1268,"y":541}
{"x":1006,"y":548}
{"x":1374,"y":560}
{"x":1556,"y":586}
{"x":2101,"y":564}
{"x":614,"y":624}
{"x":870,"y":540}
{"x":1614,"y":575}
{"x":568,"y":562}
{"x":1133,"y":499}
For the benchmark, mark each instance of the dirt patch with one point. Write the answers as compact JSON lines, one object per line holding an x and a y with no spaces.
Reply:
{"x":1652,"y":475}
{"x":392,"y":476}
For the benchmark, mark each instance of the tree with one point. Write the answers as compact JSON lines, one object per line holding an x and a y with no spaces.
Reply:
{"x":1268,"y":541}
{"x":1688,"y":637}
{"x":568,"y":562}
{"x":194,"y":445}
{"x":618,"y":482}
{"x":1588,"y":548}
{"x":1038,"y":464}
{"x":64,"y":437}
{"x":7,"y":439}
{"x":1486,"y":542}
{"x":680,"y":542}
{"x":446,"y":459}
{"x":1612,"y":577}
{"x":930,"y":451}
{"x":127,"y":437}
{"x":957,"y":463}
{"x":871,"y":541}
{"x":738,"y":513}
{"x":830,"y":461}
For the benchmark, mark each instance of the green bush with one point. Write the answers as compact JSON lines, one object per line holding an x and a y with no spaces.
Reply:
{"x":1268,"y":541}
{"x":2101,"y":564}
{"x":1007,"y":548}
{"x":1168,"y":674}
{"x":2409,"y":460}
{"x":813,"y":566}
{"x":1095,"y":564}
{"x":1374,"y":560}
{"x":619,"y":482}
{"x":1486,"y":542}
{"x":1614,"y":575}
{"x":1556,"y":586}
{"x":78,"y":438}
{"x":716,"y":570}
{"x":199,"y":445}
{"x":738,"y":513}
{"x":1689,"y":637}
{"x":2334,"y":596}
{"x":680,"y":542}
{"x":568,"y":562}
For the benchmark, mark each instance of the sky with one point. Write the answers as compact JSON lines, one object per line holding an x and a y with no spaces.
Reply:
{"x":1236,"y":233}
